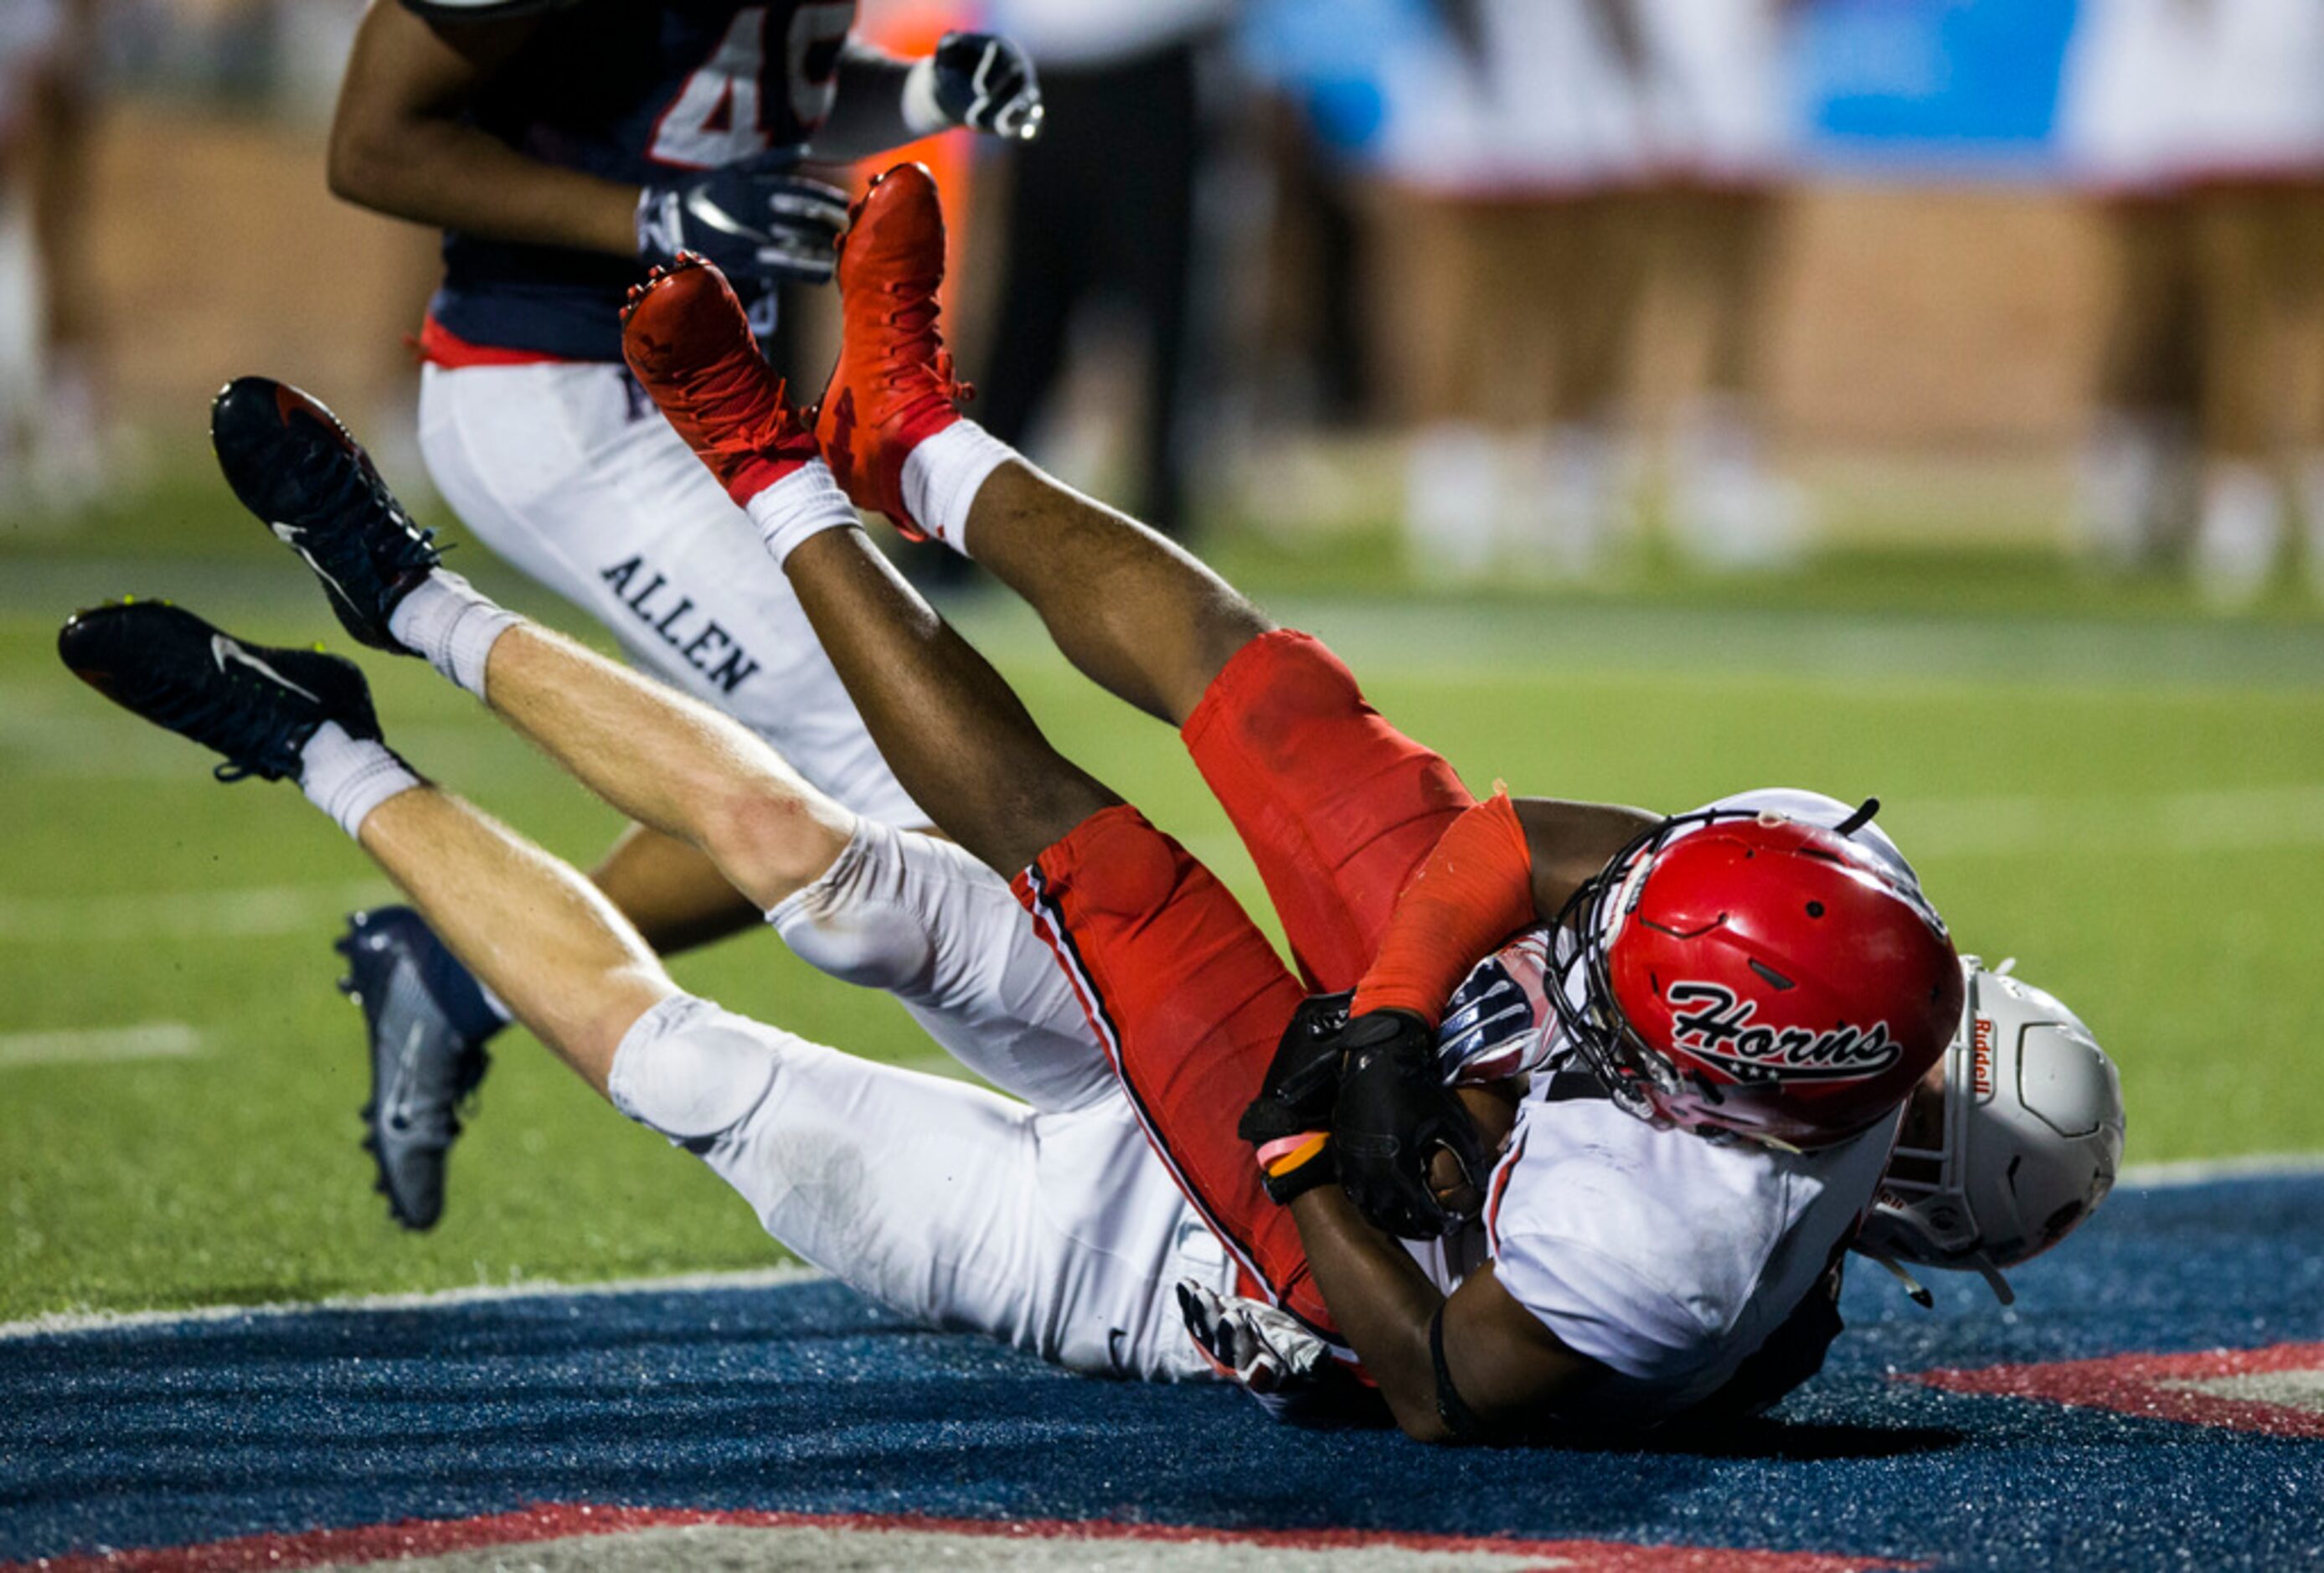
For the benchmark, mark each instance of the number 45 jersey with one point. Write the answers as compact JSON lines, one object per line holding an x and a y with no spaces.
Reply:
{"x":635,"y":92}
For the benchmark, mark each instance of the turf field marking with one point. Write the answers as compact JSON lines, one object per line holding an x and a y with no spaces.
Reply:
{"x":2136,"y":1177}
{"x":258,"y":912}
{"x":559,"y":1536}
{"x":98,"y":1045}
{"x":54,"y":1322}
{"x":2203,"y":1171}
{"x":2212,"y":819}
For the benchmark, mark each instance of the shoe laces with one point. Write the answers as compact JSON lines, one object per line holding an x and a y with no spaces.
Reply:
{"x":213,"y":715}
{"x":346,"y":485}
{"x":730,"y":383}
{"x":921,"y":346}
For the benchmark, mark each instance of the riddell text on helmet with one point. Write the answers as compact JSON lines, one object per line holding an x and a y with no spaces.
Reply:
{"x":1712,"y":1023}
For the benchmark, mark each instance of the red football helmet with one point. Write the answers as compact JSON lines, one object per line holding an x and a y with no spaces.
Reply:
{"x":1750,"y":974}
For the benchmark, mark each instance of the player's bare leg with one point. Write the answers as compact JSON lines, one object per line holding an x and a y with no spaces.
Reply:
{"x":1135,"y":612}
{"x":668,"y":761}
{"x":957,"y":737}
{"x":671,"y":891}
{"x":1139,"y":614}
{"x":566,"y":962}
{"x":297,"y":469}
{"x":953,"y":730}
{"x":2248,"y":284}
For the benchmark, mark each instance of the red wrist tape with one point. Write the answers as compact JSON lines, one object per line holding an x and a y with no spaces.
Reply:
{"x":1473,"y":890}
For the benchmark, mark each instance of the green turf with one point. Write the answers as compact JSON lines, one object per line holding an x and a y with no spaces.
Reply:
{"x":2125,"y":795}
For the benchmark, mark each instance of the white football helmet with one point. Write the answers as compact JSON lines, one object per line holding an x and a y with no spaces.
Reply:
{"x":2019,"y":1146}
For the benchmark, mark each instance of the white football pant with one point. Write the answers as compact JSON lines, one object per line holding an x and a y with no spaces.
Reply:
{"x":1048,"y":1223}
{"x":569,"y":473}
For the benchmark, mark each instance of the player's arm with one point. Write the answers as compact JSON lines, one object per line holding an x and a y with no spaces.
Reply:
{"x":974,"y":79}
{"x":1502,"y":865}
{"x":1567,"y":843}
{"x":1475,"y":1366}
{"x":400,"y":144}
{"x":1498,"y":868}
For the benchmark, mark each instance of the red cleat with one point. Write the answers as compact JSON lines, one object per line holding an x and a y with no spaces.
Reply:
{"x":893,"y":387}
{"x":690,"y":347}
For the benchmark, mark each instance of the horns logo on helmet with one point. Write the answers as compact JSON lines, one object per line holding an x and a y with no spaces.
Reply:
{"x":1712,"y":1023}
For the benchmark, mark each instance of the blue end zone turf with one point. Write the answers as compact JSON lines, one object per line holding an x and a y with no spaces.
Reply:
{"x":803,"y":1399}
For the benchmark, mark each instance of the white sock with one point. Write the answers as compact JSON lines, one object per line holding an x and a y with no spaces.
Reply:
{"x":943,"y":476}
{"x":348,"y":777}
{"x":806,"y":502}
{"x":451,"y":623}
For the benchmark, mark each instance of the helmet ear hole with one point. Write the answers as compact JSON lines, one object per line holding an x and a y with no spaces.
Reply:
{"x":1815,"y":909}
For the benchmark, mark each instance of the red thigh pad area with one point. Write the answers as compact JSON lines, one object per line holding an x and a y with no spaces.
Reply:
{"x":1189,"y":1000}
{"x":1337,"y":806}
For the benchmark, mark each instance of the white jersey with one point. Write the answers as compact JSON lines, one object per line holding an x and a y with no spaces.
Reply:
{"x":2125,"y":92}
{"x":2159,"y":93}
{"x":2257,"y":107}
{"x":1717,"y":94}
{"x":1539,"y":103}
{"x":1664,"y":1256}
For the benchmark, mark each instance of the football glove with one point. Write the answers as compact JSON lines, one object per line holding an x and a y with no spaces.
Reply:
{"x":758,"y":222}
{"x":1494,"y":1024}
{"x":1393,"y":1112}
{"x":1290,"y":1121}
{"x":1279,"y":1360}
{"x":986,"y":83}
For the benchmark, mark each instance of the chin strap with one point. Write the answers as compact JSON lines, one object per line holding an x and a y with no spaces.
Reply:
{"x":1912,"y":1286}
{"x":1993,"y":1281}
{"x":1919,"y":1291}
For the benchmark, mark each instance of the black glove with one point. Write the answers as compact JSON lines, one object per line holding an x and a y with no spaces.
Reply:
{"x":1393,"y":1113}
{"x":757,"y":221}
{"x":1295,"y":1103}
{"x":986,"y":83}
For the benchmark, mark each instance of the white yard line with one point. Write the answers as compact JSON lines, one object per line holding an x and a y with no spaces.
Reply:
{"x":255,"y":912}
{"x":2137,"y":1177}
{"x":475,"y":1294}
{"x":2212,"y":819}
{"x":98,"y":1045}
{"x":2202,"y":1171}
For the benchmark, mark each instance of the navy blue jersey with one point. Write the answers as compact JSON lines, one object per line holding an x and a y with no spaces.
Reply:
{"x":635,"y":92}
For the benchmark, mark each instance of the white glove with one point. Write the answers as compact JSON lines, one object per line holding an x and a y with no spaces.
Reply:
{"x":1253,"y":1345}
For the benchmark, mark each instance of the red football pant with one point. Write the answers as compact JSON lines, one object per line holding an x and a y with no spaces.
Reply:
{"x":1338,"y":809}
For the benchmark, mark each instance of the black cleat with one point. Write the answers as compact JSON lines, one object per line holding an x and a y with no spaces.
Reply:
{"x":253,"y":703}
{"x":294,"y":464}
{"x":427,"y":1022}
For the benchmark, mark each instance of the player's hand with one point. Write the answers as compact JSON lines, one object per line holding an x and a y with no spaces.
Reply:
{"x":1494,"y":1024}
{"x":1279,"y":1360}
{"x":1255,"y":1345}
{"x":756,"y":220}
{"x":986,"y":83}
{"x":1395,"y":1115}
{"x":1289,"y":1124}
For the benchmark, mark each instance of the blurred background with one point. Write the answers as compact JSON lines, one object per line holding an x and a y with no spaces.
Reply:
{"x":1483,"y":290}
{"x":1650,"y":398}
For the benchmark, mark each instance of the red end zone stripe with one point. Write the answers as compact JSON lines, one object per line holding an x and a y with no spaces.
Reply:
{"x":2150,"y":1385}
{"x":568,"y":1521}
